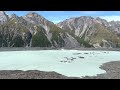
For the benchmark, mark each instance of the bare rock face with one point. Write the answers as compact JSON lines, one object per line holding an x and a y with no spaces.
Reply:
{"x":49,"y":28}
{"x":37,"y":19}
{"x":115,"y":26}
{"x":77,"y":24}
{"x":3,"y":17}
{"x":80,"y":24}
{"x":71,"y":42}
{"x":94,"y":30}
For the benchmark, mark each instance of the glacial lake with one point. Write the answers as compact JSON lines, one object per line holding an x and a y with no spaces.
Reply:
{"x":72,"y":63}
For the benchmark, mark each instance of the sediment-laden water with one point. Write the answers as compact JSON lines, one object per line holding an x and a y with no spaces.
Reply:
{"x":71,"y":63}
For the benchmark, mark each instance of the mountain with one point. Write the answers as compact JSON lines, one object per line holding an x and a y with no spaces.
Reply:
{"x":95,"y":31}
{"x":3,"y":17}
{"x":33,"y":30}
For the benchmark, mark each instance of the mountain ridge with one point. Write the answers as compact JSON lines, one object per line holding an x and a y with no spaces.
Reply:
{"x":33,"y":30}
{"x":89,"y":26}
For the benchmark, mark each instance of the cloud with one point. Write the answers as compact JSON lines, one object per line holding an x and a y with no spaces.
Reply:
{"x":111,"y":18}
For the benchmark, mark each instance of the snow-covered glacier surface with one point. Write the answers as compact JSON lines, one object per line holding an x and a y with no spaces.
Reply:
{"x":73,"y":63}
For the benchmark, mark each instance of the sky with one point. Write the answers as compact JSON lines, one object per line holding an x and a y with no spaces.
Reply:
{"x":58,"y":16}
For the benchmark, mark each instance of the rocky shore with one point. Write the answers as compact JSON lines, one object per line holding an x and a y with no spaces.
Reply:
{"x":31,"y":74}
{"x":50,"y":48}
{"x":112,"y":72}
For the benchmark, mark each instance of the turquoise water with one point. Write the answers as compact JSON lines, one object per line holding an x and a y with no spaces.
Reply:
{"x":56,"y":60}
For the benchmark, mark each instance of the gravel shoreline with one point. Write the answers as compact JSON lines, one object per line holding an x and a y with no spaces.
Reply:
{"x":46,"y":48}
{"x":31,"y":74}
{"x":112,"y":72}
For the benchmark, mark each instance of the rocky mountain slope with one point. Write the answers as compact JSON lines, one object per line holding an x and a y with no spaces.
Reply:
{"x":33,"y":30}
{"x":96,"y":31}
